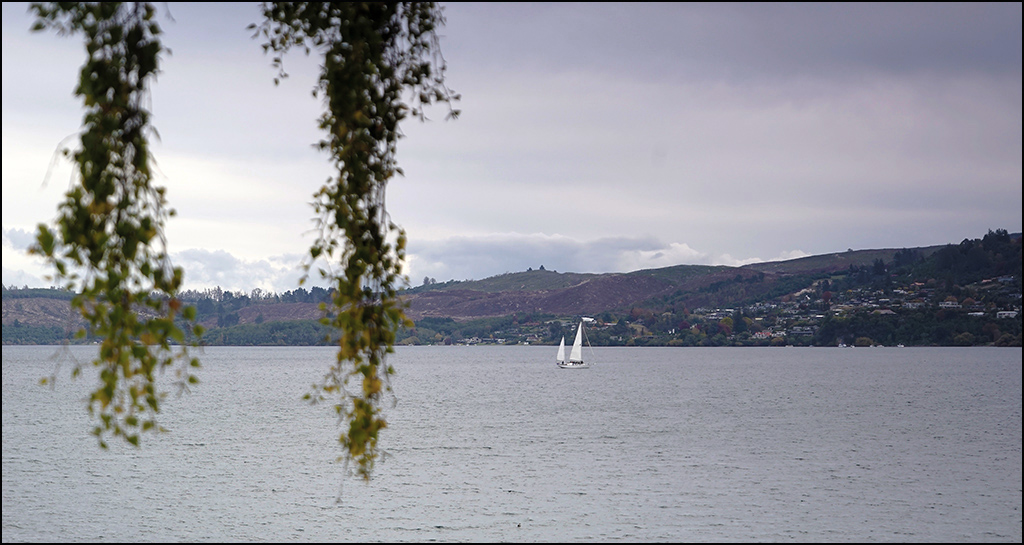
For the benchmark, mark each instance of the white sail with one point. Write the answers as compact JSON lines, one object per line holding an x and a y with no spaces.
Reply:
{"x":576,"y":355}
{"x":575,"y":360}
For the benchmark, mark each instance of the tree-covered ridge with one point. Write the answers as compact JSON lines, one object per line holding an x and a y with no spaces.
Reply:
{"x":44,"y":293}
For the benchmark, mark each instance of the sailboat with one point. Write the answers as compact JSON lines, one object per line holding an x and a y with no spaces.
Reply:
{"x":575,"y":355}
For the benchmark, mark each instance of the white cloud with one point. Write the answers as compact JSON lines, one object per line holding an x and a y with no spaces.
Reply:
{"x":18,"y":239}
{"x":672,"y":254}
{"x":19,"y":268}
{"x":206,"y":269}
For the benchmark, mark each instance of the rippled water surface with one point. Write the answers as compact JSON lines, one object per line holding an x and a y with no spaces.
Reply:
{"x":497,"y":444}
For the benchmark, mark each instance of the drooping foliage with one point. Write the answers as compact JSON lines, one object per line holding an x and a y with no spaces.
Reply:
{"x":381,"y":63}
{"x":107,"y":245}
{"x":376,"y":56}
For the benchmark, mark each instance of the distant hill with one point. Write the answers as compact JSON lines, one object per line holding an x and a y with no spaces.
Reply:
{"x":837,"y":261}
{"x":864,"y":277}
{"x":548,"y":292}
{"x":533,"y":292}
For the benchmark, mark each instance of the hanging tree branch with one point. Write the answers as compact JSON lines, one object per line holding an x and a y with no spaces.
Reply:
{"x":108,"y":242}
{"x":375,"y":55}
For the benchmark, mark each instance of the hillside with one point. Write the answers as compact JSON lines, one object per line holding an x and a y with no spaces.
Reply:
{"x":551,"y":293}
{"x":691,"y":286}
{"x":679,"y":304}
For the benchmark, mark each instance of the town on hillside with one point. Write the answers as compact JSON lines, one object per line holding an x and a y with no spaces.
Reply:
{"x":911,"y":315}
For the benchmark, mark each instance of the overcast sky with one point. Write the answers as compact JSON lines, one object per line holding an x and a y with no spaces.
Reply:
{"x":593,"y":138}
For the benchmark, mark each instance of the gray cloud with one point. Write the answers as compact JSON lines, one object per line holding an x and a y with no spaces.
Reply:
{"x":739,"y":41}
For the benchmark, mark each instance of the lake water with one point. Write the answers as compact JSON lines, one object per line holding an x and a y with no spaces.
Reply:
{"x":497,"y":444}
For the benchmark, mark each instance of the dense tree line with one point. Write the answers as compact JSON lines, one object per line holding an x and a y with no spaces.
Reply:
{"x":19,"y":333}
{"x":919,"y":328}
{"x":29,"y":293}
{"x":290,"y":333}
